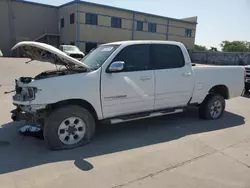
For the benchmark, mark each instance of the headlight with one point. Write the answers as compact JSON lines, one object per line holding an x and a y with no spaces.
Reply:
{"x":26,"y":94}
{"x":31,"y":91}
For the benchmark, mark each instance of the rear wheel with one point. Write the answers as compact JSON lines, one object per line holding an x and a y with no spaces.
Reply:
{"x":212,"y":107}
{"x":69,"y":127}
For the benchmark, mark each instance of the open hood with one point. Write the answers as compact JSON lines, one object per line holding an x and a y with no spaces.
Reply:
{"x":47,"y":53}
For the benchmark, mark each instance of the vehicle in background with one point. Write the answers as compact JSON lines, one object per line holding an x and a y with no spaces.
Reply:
{"x":72,"y":51}
{"x":118,"y":82}
{"x":1,"y":53}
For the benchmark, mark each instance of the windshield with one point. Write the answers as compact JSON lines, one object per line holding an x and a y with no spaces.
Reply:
{"x":97,"y":57}
{"x":70,"y":48}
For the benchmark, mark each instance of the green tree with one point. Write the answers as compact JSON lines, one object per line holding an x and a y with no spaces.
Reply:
{"x":235,"y":46}
{"x":200,"y":48}
{"x":214,"y":49}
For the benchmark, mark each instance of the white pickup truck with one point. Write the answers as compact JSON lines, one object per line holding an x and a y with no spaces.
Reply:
{"x":118,"y":82}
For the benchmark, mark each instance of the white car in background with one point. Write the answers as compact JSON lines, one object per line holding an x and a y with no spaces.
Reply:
{"x":72,"y":51}
{"x":1,"y":53}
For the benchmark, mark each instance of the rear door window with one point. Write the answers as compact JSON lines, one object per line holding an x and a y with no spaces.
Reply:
{"x":165,"y":56}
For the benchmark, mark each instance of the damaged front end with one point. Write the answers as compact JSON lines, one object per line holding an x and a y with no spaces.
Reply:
{"x":25,"y":110}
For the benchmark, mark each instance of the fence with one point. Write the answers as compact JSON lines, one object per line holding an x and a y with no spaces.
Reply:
{"x":220,"y":58}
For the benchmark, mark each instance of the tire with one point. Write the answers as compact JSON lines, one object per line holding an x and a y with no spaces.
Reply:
{"x":212,"y":101}
{"x":68,"y":127}
{"x":247,"y":89}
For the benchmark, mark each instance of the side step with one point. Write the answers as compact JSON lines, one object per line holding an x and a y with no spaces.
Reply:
{"x":144,"y":115}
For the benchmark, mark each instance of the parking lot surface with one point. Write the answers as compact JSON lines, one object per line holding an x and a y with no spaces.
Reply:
{"x":179,"y":150}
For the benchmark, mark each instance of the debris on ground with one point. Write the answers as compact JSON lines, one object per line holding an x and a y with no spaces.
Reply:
{"x":31,"y":130}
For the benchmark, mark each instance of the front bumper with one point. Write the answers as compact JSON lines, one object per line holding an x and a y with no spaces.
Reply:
{"x":28,"y":107}
{"x":32,"y":118}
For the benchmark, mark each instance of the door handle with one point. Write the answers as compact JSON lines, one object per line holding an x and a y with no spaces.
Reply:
{"x":187,"y":74}
{"x":144,"y":78}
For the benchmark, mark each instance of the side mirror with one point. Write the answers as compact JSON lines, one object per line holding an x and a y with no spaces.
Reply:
{"x":116,"y":66}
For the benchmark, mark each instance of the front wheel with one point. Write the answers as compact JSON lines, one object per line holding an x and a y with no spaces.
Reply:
{"x":247,"y":88}
{"x":68,"y":127}
{"x":212,"y":107}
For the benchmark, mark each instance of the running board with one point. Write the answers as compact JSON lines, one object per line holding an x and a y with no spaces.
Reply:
{"x":144,"y":115}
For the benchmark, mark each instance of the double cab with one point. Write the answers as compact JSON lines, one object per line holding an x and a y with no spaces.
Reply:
{"x":118,"y":82}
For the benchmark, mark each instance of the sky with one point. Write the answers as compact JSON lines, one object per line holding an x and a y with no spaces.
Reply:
{"x":218,"y":20}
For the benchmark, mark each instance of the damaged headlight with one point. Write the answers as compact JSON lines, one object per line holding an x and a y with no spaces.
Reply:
{"x":26,"y":94}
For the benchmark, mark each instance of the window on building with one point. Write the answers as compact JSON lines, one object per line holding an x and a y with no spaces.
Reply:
{"x":62,"y":23}
{"x":136,"y":57}
{"x":139,"y":26}
{"x":91,"y":19}
{"x":72,"y":18}
{"x":89,"y":46}
{"x":166,"y":56}
{"x":188,"y":32}
{"x":152,"y":27}
{"x":116,"y":22}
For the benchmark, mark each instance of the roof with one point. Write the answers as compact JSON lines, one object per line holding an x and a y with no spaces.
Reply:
{"x":107,"y":6}
{"x":127,"y":10}
{"x":34,"y":3}
{"x":129,"y":42}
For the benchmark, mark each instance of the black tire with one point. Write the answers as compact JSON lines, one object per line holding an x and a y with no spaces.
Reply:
{"x":247,"y":89}
{"x":57,"y":116}
{"x":205,"y":108}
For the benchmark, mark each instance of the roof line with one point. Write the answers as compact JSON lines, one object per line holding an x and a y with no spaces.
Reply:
{"x":34,"y":3}
{"x":69,"y":3}
{"x":127,"y":10}
{"x":106,"y":6}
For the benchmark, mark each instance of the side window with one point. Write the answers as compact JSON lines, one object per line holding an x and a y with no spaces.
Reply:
{"x":136,"y":57}
{"x":165,"y":56}
{"x":91,"y":19}
{"x":188,"y":32}
{"x":72,"y":18}
{"x":116,"y":22}
{"x":62,"y":23}
{"x":152,"y":27}
{"x":139,"y":26}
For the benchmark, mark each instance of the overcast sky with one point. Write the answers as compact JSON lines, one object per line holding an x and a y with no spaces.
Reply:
{"x":218,"y":20}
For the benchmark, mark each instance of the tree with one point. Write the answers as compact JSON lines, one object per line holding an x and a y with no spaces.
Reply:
{"x":200,"y":48}
{"x":235,"y":46}
{"x":214,"y":49}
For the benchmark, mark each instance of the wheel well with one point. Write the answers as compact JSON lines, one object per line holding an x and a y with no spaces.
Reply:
{"x":78,"y":102}
{"x":220,"y":89}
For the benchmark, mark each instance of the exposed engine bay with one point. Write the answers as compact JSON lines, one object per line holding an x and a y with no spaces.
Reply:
{"x":53,"y":73}
{"x":28,"y":93}
{"x":26,"y":90}
{"x":59,"y":72}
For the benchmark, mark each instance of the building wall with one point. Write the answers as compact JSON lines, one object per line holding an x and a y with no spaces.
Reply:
{"x":161,"y":28}
{"x":5,"y":29}
{"x":167,"y":29}
{"x":28,"y":21}
{"x":103,"y":32}
{"x":25,"y":21}
{"x":68,"y":32}
{"x":31,"y":21}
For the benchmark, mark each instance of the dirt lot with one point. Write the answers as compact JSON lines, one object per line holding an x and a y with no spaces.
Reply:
{"x":172,"y":151}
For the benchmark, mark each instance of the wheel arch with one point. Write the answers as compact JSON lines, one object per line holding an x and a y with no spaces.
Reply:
{"x":220,"y":89}
{"x":79,"y":102}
